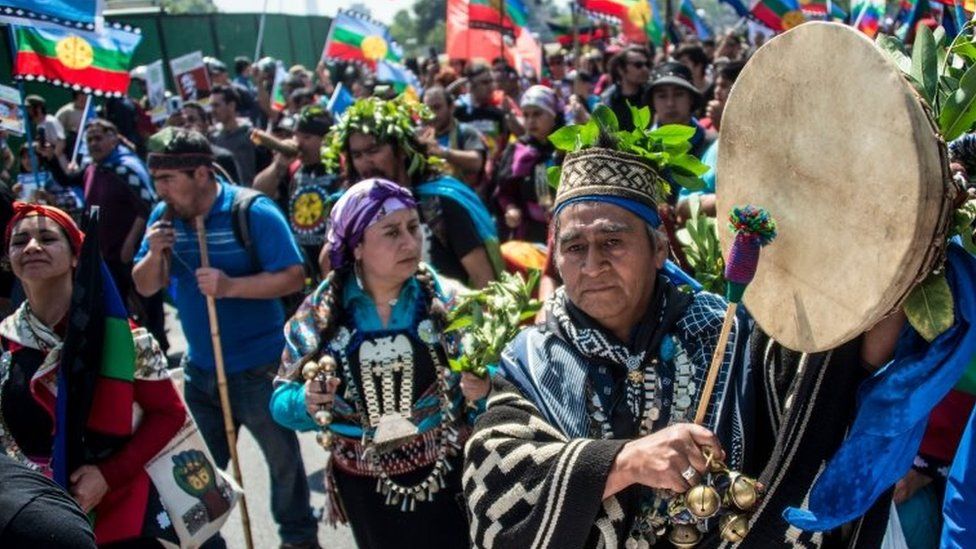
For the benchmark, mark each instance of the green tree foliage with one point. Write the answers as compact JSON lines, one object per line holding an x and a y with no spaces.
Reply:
{"x":420,"y":27}
{"x":188,"y":6}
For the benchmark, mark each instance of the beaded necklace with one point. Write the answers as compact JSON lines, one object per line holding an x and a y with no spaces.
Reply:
{"x":397,"y":494}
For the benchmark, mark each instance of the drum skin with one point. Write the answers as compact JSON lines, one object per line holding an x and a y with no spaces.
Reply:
{"x":824,"y":132}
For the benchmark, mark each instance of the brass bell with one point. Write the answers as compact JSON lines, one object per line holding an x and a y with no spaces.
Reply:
{"x":310,"y":370}
{"x":684,"y":536}
{"x":743,"y":492}
{"x":327,"y":364}
{"x":702,"y":501}
{"x":323,"y":418}
{"x":734,"y":527}
{"x":325,"y":439}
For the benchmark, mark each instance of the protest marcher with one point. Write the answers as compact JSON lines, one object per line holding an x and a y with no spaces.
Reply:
{"x":581,"y":103}
{"x":196,"y":118}
{"x":46,"y":126}
{"x":693,"y":57}
{"x":44,"y":245}
{"x":459,"y":144}
{"x":246,"y":283}
{"x":246,"y":101}
{"x":118,"y":183}
{"x":558,"y":80}
{"x":70,"y":115}
{"x":303,"y":187}
{"x":381,"y":308}
{"x":475,"y":108}
{"x":522,"y":186}
{"x":568,"y":408}
{"x":231,"y":134}
{"x":378,"y":139}
{"x":725,"y":76}
{"x":629,"y":69}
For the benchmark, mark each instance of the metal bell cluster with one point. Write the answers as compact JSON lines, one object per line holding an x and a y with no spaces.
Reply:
{"x":322,"y":372}
{"x":725,"y":494}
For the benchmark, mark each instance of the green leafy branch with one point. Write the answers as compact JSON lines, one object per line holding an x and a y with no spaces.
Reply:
{"x":486,"y":320}
{"x":945,"y":78}
{"x":666,"y":149}
{"x":699,"y":240}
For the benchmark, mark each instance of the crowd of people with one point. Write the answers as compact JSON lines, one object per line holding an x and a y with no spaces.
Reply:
{"x":337,"y":243}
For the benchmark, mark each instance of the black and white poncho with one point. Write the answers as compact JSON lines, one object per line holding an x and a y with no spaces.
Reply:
{"x":537,"y":464}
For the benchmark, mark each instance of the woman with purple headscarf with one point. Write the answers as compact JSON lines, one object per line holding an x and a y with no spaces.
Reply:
{"x":391,"y":414}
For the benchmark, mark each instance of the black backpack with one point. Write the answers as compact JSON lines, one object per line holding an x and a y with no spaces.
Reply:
{"x":240,"y":210}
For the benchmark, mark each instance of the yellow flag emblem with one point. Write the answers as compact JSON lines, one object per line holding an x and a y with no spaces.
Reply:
{"x":75,"y":52}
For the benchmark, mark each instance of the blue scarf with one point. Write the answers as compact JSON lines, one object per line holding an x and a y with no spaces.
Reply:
{"x":959,"y":508}
{"x":452,"y":189}
{"x":893,"y":409}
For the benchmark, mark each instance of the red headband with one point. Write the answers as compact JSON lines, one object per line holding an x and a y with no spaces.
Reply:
{"x":25,"y":209}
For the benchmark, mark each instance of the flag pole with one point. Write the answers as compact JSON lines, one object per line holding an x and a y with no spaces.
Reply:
{"x":860,"y":15}
{"x":222,"y":384}
{"x":81,"y":128}
{"x":264,"y":16}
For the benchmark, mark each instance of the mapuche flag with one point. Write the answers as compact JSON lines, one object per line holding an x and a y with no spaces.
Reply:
{"x":93,"y":409}
{"x":93,"y":62}
{"x":778,"y":15}
{"x":355,"y":37}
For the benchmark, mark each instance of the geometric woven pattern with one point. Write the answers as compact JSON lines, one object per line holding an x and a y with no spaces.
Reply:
{"x":607,"y":172}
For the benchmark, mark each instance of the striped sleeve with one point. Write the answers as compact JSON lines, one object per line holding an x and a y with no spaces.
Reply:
{"x":527,"y":485}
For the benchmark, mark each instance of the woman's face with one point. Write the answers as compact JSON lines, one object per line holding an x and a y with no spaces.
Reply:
{"x":391,"y":248}
{"x":538,"y":122}
{"x":39,"y":250}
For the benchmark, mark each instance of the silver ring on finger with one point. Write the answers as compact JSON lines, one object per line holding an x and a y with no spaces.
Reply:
{"x":689,"y":473}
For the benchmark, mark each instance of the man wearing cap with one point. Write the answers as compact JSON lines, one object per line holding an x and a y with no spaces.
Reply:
{"x":588,"y":421}
{"x":629,"y":69}
{"x":247,"y":285}
{"x":674,"y":99}
{"x":302,"y":186}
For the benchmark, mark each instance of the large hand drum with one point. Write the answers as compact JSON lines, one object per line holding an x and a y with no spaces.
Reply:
{"x":824,"y":132}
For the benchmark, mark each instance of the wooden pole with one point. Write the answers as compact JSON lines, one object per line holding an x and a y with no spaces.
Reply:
{"x":222,"y":384}
{"x":723,"y":341}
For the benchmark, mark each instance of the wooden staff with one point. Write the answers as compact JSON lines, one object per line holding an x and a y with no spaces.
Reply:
{"x":753,"y":228}
{"x":222,"y":384}
{"x":723,"y":340}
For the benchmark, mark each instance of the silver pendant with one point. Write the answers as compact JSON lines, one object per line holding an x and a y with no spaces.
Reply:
{"x":393,"y":432}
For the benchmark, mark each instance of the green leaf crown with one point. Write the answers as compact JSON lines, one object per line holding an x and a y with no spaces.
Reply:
{"x":666,"y":149}
{"x":389,"y":121}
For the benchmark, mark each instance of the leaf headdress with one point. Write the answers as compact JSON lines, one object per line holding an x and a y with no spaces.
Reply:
{"x":389,"y":121}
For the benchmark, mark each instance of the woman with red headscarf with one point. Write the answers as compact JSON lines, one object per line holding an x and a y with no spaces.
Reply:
{"x":43,"y":245}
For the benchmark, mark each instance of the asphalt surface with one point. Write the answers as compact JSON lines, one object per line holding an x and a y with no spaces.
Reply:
{"x":254,"y":473}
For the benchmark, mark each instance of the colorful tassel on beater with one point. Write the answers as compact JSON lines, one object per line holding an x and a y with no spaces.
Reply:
{"x":753,"y":228}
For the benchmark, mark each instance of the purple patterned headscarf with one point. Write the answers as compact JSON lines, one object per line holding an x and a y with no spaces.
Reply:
{"x":360,"y":206}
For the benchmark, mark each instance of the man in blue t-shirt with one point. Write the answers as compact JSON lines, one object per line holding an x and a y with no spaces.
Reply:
{"x":247,"y":285}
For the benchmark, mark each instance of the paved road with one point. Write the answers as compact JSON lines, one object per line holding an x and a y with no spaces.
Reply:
{"x":255,"y":476}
